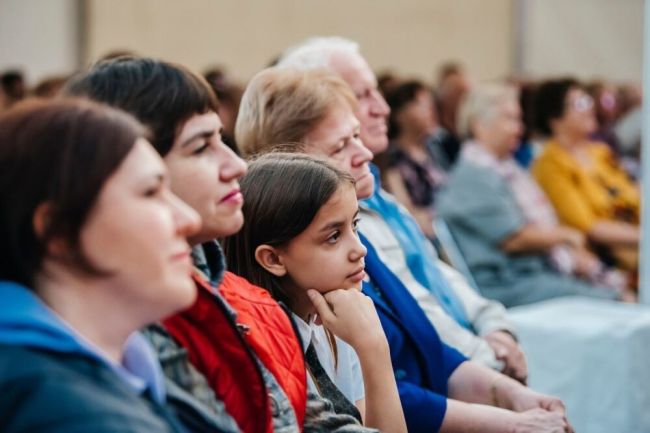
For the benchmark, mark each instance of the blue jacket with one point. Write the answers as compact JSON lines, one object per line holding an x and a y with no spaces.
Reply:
{"x":53,"y":381}
{"x":422,"y":363}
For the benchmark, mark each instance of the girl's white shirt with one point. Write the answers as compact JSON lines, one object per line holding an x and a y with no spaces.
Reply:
{"x":347,"y":375}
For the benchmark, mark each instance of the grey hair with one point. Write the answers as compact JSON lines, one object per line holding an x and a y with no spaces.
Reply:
{"x":317,"y":52}
{"x":481,"y":105}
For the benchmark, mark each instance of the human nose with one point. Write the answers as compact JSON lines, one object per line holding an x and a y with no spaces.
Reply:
{"x":186,"y":219}
{"x":232,"y":166}
{"x":379,"y":106}
{"x":358,"y":250}
{"x":361,"y":155}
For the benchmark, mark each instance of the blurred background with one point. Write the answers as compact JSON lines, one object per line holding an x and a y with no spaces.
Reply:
{"x":492,"y":39}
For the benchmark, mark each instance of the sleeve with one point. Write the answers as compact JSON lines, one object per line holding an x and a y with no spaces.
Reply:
{"x":481,"y":201}
{"x":485,"y":315}
{"x":452,"y":359}
{"x":568,"y":200}
{"x":424,"y":410}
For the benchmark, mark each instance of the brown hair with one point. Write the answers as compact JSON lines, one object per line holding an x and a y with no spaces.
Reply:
{"x":60,"y":153}
{"x":282,"y":105}
{"x":159,"y":94}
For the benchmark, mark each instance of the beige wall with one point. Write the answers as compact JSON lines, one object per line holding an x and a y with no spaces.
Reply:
{"x":39,"y":36}
{"x":587,"y":38}
{"x":409,"y":36}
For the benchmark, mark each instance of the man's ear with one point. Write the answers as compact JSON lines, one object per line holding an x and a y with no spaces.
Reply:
{"x":270,"y":259}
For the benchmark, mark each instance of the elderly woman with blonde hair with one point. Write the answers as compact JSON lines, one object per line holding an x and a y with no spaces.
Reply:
{"x":505,"y":226}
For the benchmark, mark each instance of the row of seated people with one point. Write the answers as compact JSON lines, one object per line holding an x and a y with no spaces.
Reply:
{"x":570,"y":225}
{"x":323,"y":308}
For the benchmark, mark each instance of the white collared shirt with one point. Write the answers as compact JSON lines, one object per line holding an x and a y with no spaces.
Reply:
{"x":347,"y":375}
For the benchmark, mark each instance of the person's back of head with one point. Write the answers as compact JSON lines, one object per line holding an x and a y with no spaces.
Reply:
{"x":159,"y":94}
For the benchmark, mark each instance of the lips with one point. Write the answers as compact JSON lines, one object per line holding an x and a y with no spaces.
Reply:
{"x":182,"y":256}
{"x":358,"y":275}
{"x":234,"y":196}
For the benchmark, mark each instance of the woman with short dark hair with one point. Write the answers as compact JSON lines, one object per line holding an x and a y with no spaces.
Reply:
{"x":94,"y":248}
{"x":586,"y":185}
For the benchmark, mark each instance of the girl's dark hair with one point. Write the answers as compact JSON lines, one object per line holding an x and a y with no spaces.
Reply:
{"x":550,"y":102}
{"x":59,"y":153}
{"x":397,"y":98}
{"x":282,"y":192}
{"x":161,"y":95}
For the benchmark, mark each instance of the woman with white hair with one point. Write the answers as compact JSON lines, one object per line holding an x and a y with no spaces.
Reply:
{"x":504,"y":224}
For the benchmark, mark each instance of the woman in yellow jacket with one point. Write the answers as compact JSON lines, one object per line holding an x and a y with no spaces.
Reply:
{"x":581,"y":177}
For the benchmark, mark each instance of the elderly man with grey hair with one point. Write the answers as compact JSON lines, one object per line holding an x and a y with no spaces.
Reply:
{"x":465,"y":320}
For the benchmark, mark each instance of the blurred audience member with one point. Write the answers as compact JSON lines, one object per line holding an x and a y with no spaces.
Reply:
{"x":13,"y":85}
{"x":229,"y":95}
{"x":501,"y":220}
{"x":581,"y":177}
{"x":606,"y":110}
{"x":413,"y":174}
{"x":50,"y":86}
{"x":452,"y":85}
{"x":628,"y":128}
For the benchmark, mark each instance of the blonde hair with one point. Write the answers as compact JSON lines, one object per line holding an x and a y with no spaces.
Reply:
{"x":481,"y":104}
{"x":281,"y":106}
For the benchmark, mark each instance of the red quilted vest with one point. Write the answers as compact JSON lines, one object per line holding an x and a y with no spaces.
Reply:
{"x":224,"y":353}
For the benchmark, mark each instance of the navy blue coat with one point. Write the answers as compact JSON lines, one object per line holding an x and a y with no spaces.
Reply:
{"x":422,"y":363}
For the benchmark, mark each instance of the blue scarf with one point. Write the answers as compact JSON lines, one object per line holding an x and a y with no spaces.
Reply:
{"x":419,"y":257}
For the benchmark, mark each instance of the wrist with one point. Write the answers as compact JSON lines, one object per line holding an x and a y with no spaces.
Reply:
{"x":503,"y":391}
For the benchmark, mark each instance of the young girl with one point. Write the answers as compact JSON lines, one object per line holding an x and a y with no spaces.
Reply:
{"x":299,"y":242}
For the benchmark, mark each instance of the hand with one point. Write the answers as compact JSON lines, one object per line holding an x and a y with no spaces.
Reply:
{"x":587,"y":264}
{"x":572,"y":237}
{"x":509,"y":352}
{"x":541,"y":421}
{"x":351,"y":316}
{"x":522,"y":399}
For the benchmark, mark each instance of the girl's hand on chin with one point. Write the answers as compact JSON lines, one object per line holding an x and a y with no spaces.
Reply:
{"x":351,"y":316}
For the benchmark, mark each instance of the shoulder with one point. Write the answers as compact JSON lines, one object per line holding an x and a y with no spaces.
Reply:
{"x":552,"y":157}
{"x":235,"y":288}
{"x":68,"y":393}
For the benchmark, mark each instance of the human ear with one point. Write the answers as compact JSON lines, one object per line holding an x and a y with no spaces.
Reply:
{"x":270,"y":259}
{"x":40,"y":224}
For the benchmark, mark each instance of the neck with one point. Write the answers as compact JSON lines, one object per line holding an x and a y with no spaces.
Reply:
{"x":491,"y":149}
{"x":89,"y":306}
{"x":570,"y":141}
{"x":302,"y":306}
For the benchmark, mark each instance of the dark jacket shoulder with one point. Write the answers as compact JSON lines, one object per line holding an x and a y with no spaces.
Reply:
{"x":54,"y":392}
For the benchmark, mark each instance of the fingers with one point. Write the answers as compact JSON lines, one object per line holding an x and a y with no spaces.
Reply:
{"x":325,"y":312}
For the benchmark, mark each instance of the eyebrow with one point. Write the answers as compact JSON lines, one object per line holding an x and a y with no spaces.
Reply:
{"x":337,"y":224}
{"x":200,"y":134}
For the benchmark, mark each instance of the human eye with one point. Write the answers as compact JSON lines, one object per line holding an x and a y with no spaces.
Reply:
{"x":340,"y":147}
{"x":154,"y":190}
{"x":202,"y":148}
{"x":334,"y":237}
{"x":355,"y":224}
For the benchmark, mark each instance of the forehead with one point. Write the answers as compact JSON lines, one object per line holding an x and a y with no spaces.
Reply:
{"x":341,"y":205}
{"x":209,"y":121}
{"x":142,"y":161}
{"x":339,"y":123}
{"x":354,"y":70}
